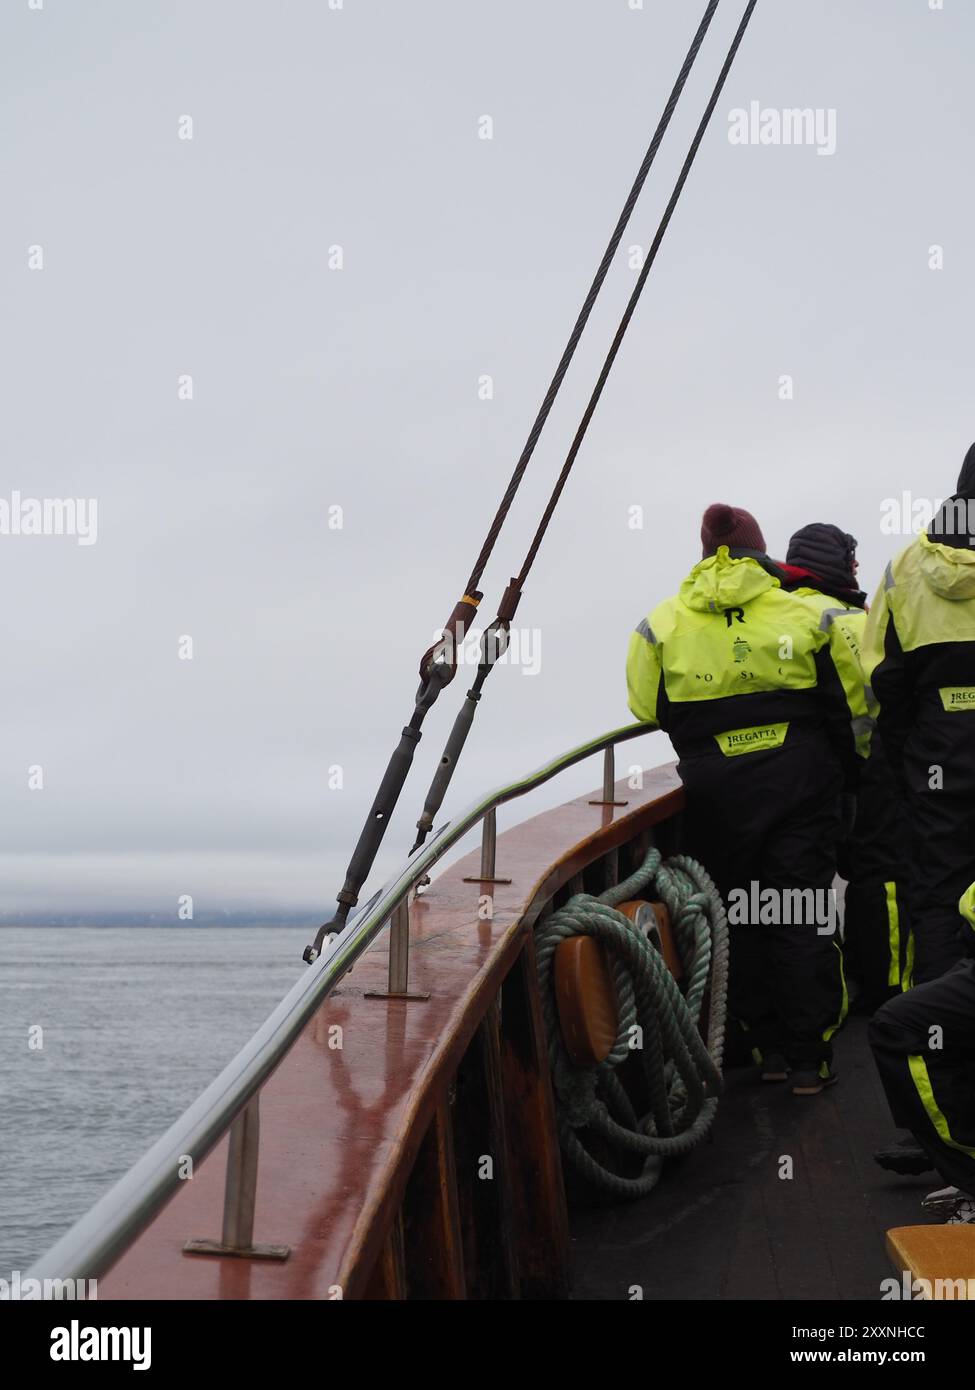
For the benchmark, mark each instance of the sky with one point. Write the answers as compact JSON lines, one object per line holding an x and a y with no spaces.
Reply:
{"x":184,"y":344}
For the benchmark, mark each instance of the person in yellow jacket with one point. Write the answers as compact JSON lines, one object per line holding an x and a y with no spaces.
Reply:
{"x":919,"y":657}
{"x":763,"y":700}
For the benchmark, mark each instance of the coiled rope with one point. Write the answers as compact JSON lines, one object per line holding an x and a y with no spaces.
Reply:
{"x":658,"y":1024}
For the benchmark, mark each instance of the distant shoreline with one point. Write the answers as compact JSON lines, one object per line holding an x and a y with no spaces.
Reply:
{"x":145,"y":922}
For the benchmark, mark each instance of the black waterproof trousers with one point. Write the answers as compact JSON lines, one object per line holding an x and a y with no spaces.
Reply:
{"x":942,"y":868}
{"x":874,"y":860}
{"x":770,"y":820}
{"x":877,"y":938}
{"x":924,"y":1045}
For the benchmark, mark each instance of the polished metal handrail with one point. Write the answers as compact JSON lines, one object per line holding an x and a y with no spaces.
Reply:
{"x":93,"y":1244}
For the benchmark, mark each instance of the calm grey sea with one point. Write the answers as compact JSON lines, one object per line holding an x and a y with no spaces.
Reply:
{"x":136,"y":1022}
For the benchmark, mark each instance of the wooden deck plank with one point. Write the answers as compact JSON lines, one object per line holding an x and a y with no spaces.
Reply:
{"x":799,"y":1253}
{"x":725,"y":1208}
{"x":749,"y":1266}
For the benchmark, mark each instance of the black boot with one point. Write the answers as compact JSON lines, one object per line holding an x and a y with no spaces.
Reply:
{"x":905,"y":1157}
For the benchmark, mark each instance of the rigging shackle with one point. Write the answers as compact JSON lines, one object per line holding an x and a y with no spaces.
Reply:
{"x":444,"y":650}
{"x":381,"y":810}
{"x":494,"y":644}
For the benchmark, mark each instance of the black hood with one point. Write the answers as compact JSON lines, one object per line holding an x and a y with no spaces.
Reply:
{"x":827,"y":554}
{"x":966,"y":478}
{"x":954,"y":524}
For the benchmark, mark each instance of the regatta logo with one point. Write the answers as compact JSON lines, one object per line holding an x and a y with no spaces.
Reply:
{"x":16,"y":1289}
{"x":50,"y":516}
{"x":737,"y":741}
{"x":958,"y":697}
{"x":766,"y":125}
{"x":908,"y":515}
{"x":756,"y":906}
{"x":76,"y":1343}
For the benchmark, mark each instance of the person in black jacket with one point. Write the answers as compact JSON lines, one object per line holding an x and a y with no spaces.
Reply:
{"x":822,"y":557}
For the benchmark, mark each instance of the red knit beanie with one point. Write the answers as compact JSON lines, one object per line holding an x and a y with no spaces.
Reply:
{"x":730,"y":526}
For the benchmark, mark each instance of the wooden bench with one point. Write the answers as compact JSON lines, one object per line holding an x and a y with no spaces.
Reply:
{"x":943,"y":1257}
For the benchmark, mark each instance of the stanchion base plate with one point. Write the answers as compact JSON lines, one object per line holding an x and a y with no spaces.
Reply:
{"x":392,"y":994}
{"x":251,"y":1252}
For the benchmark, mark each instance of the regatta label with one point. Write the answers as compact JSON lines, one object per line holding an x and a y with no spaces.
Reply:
{"x":737,"y":741}
{"x":955,"y":697}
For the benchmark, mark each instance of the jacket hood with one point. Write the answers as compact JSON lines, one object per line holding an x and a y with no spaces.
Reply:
{"x":950,"y":572}
{"x":725,"y":581}
{"x":828,"y":555}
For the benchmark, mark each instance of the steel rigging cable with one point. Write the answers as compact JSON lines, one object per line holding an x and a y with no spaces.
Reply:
{"x":438,"y":664}
{"x":601,"y":273}
{"x":494,"y":640}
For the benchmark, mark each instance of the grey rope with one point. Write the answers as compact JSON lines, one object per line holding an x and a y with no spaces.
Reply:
{"x":656,"y":1024}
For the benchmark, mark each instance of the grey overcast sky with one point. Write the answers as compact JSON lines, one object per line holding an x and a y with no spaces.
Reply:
{"x":315,"y":127}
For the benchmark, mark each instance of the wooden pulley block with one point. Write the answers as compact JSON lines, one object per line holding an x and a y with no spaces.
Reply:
{"x":585,"y":997}
{"x":654,"y":919}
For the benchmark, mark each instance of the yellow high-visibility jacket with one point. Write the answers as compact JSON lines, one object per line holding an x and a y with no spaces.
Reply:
{"x":734,"y":665}
{"x":919,"y":657}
